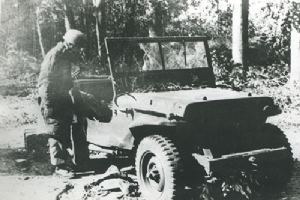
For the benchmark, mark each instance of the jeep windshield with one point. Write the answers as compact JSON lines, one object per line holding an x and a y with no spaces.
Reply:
{"x":160,"y":63}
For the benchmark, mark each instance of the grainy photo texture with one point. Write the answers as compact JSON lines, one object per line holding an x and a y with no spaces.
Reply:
{"x":150,"y":99}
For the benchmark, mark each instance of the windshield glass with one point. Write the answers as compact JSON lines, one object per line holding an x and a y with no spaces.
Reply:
{"x":175,"y":55}
{"x":157,"y":64}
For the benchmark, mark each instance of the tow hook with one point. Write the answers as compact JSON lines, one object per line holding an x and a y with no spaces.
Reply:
{"x":271,"y":110}
{"x":252,"y":160}
{"x":210,"y":178}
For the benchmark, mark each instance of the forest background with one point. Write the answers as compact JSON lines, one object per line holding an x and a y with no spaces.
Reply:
{"x":29,"y":28}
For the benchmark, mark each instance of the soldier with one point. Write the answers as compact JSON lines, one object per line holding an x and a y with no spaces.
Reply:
{"x":54,"y":83}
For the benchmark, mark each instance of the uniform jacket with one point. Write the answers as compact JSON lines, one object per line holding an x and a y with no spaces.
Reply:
{"x":55,"y":81}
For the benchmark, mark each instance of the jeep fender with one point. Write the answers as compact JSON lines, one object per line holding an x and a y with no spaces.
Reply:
{"x":149,"y":125}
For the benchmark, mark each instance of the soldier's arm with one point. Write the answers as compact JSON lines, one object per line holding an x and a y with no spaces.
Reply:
{"x":50,"y":62}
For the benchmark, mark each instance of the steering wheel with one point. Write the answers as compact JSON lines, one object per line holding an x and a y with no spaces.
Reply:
{"x":122,"y":94}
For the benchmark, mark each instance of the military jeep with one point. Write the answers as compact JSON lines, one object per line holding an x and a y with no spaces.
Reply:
{"x":169,"y":114}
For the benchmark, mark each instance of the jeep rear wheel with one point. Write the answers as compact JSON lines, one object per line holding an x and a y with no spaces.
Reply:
{"x":158,"y":167}
{"x":277,"y":172}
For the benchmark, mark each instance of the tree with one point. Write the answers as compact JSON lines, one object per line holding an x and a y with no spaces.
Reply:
{"x":1,"y":12}
{"x":69,"y":15}
{"x":1,"y":31}
{"x":295,"y":43}
{"x":156,"y":12}
{"x":100,"y":24}
{"x":295,"y":55}
{"x":130,"y":26}
{"x":240,"y":32}
{"x":38,"y":27}
{"x":85,"y":23}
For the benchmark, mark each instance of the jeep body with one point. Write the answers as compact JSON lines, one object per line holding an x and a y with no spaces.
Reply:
{"x":201,"y":107}
{"x":164,"y":89}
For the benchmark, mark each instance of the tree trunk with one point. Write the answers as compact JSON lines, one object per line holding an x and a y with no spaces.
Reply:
{"x":38,"y":28}
{"x":153,"y":59}
{"x":100,"y":28}
{"x":240,"y":32}
{"x":69,"y":16}
{"x":295,"y":55}
{"x":130,"y":27}
{"x":86,"y":26}
{"x":2,"y":46}
{"x":98,"y":33}
{"x":130,"y":31}
{"x":1,"y":13}
{"x":155,"y":11}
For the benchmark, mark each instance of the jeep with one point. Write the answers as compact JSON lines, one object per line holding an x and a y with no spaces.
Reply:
{"x":169,"y":114}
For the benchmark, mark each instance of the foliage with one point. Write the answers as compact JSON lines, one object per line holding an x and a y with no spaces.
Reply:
{"x":221,"y":60}
{"x":19,"y":64}
{"x":195,"y":17}
{"x":269,"y":81}
{"x":19,"y":73}
{"x":286,"y":94}
{"x":126,"y":19}
{"x":269,"y":32}
{"x":269,"y":21}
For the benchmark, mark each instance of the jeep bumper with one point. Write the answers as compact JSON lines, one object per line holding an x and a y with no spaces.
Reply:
{"x":238,"y":161}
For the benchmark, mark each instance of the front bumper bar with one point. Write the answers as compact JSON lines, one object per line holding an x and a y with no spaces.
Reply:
{"x":239,"y":161}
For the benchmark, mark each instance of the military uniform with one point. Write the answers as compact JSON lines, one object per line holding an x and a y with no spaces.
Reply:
{"x":54,"y":83}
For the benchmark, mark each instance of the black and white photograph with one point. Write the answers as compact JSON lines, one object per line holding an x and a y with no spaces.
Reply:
{"x":150,"y":99}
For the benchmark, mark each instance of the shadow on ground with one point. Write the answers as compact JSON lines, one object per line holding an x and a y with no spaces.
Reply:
{"x":34,"y":159}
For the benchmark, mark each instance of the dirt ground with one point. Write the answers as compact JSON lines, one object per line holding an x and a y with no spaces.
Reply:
{"x":28,"y":176}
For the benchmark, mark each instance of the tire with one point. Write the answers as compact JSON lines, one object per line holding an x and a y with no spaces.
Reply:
{"x":277,"y":172}
{"x":158,"y":168}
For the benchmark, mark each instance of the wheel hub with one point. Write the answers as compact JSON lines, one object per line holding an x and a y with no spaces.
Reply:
{"x":155,"y":175}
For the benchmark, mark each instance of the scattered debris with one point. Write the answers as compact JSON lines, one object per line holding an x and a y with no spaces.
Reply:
{"x":129,"y":169}
{"x":21,"y":162}
{"x":67,"y":188}
{"x":113,"y":184}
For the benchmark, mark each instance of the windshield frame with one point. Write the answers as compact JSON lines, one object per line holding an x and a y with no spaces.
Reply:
{"x":159,"y":41}
{"x":207,"y":77}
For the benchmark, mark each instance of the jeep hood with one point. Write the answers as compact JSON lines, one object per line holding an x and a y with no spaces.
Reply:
{"x":190,"y":96}
{"x":181,"y":103}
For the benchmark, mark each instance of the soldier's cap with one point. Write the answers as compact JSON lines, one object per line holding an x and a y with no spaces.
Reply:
{"x":75,"y":37}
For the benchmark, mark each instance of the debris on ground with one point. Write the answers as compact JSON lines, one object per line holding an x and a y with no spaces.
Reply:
{"x":67,"y":188}
{"x":22,"y":163}
{"x":113,"y":182}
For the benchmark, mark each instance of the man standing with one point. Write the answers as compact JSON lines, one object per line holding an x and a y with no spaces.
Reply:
{"x":54,"y":83}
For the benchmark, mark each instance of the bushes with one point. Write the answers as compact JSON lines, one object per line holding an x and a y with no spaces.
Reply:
{"x":19,"y":72}
{"x":269,"y":80}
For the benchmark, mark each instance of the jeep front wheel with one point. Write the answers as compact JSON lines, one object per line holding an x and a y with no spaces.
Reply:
{"x":158,"y":167}
{"x":276,"y":172}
